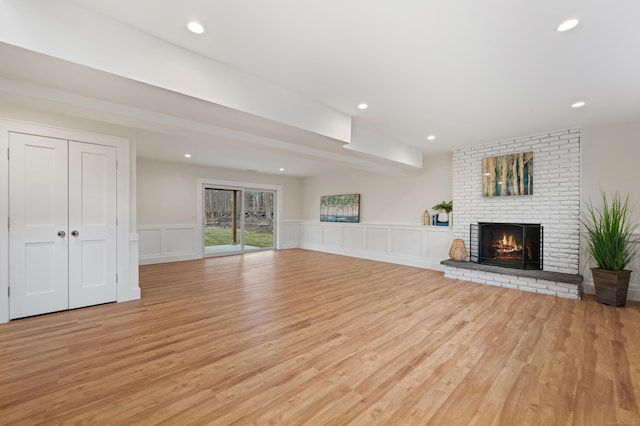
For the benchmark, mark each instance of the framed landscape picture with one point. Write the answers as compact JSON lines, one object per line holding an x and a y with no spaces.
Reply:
{"x":507,"y":175}
{"x":340,"y":208}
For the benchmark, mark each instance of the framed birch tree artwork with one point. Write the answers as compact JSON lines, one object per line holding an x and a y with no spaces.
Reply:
{"x":507,"y":175}
{"x":340,"y":208}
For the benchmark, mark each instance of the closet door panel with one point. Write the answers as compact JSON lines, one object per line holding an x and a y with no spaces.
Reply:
{"x":92,"y":224}
{"x":38,"y":238}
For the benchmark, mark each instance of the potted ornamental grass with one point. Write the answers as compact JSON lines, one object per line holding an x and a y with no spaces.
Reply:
{"x":612,"y":243}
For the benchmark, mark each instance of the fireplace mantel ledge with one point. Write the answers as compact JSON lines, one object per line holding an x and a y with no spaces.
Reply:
{"x":529,"y":273}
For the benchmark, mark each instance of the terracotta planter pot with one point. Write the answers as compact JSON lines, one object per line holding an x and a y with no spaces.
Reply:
{"x":611,"y":286}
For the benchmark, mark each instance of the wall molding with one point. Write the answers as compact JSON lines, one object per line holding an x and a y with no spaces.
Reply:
{"x":411,"y":245}
{"x":168,"y":243}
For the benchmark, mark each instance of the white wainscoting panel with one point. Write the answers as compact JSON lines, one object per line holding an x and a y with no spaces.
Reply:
{"x":332,"y":236}
{"x":149,"y":241}
{"x":438,"y":245}
{"x":290,"y":231}
{"x":179,"y":240}
{"x":413,"y":245}
{"x":168,"y":243}
{"x":376,"y":239}
{"x":353,"y":238}
{"x":313,"y":233}
{"x":406,"y":242}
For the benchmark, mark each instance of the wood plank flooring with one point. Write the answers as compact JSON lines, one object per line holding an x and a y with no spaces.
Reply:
{"x":298,"y":337}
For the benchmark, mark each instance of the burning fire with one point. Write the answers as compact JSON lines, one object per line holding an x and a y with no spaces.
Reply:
{"x":508,"y":244}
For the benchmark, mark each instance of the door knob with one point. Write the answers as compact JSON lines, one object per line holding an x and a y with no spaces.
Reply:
{"x":61,"y":234}
{"x":75,"y":233}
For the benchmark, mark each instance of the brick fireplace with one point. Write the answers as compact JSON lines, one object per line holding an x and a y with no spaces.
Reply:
{"x":554,"y":205}
{"x":510,"y":245}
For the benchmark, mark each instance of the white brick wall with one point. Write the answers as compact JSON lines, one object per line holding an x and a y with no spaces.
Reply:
{"x":555,"y":202}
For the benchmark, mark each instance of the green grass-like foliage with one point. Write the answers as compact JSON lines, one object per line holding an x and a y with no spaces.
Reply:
{"x":222,"y":236}
{"x":447,"y":206}
{"x":611,"y":238}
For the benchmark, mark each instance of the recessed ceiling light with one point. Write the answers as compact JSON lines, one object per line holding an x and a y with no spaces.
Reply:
{"x":281,"y":169}
{"x":578,"y":104}
{"x":363,"y":105}
{"x":187,"y":156}
{"x":195,"y":27}
{"x":431,"y":137}
{"x":567,"y":25}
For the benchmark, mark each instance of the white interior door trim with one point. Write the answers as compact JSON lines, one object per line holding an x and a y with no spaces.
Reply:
{"x":127,"y":290}
{"x":227,"y":184}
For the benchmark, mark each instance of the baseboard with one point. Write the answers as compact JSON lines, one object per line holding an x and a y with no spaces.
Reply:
{"x":151,"y":260}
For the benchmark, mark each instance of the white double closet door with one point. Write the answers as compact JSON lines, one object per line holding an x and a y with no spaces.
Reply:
{"x":62,"y":233}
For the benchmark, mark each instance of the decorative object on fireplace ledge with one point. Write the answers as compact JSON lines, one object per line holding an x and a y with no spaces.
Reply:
{"x":458,"y":251}
{"x":507,"y":175}
{"x":340,"y":208}
{"x":612,"y":243}
{"x":444,"y":208}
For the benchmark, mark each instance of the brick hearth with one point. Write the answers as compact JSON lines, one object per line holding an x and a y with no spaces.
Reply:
{"x":544,"y":282}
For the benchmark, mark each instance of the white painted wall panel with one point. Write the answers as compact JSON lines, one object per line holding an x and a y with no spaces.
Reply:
{"x":406,"y":242}
{"x":168,"y":243}
{"x":313,"y":233}
{"x":438,"y":245}
{"x":332,"y":235}
{"x":353,"y":237}
{"x":149,"y":242}
{"x":405,"y":245}
{"x":289,"y":232}
{"x":376,"y":239}
{"x":179,"y":240}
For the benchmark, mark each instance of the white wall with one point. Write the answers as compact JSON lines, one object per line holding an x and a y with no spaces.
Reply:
{"x":168,"y":206}
{"x":167,"y":190}
{"x":384,"y":198}
{"x":610,"y":156}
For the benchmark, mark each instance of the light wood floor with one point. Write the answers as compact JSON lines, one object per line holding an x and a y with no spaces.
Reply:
{"x":300,"y":337}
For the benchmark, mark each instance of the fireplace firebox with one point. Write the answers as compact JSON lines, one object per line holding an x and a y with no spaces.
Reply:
{"x":510,"y":245}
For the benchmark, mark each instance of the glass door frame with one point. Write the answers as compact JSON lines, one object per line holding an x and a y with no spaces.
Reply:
{"x":203,"y":183}
{"x":236,"y":245}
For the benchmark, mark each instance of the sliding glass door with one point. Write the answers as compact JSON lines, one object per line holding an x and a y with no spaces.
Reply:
{"x":238,"y":220}
{"x":259,"y":220}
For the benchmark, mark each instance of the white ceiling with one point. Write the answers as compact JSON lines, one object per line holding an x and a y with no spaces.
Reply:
{"x":467,"y":71}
